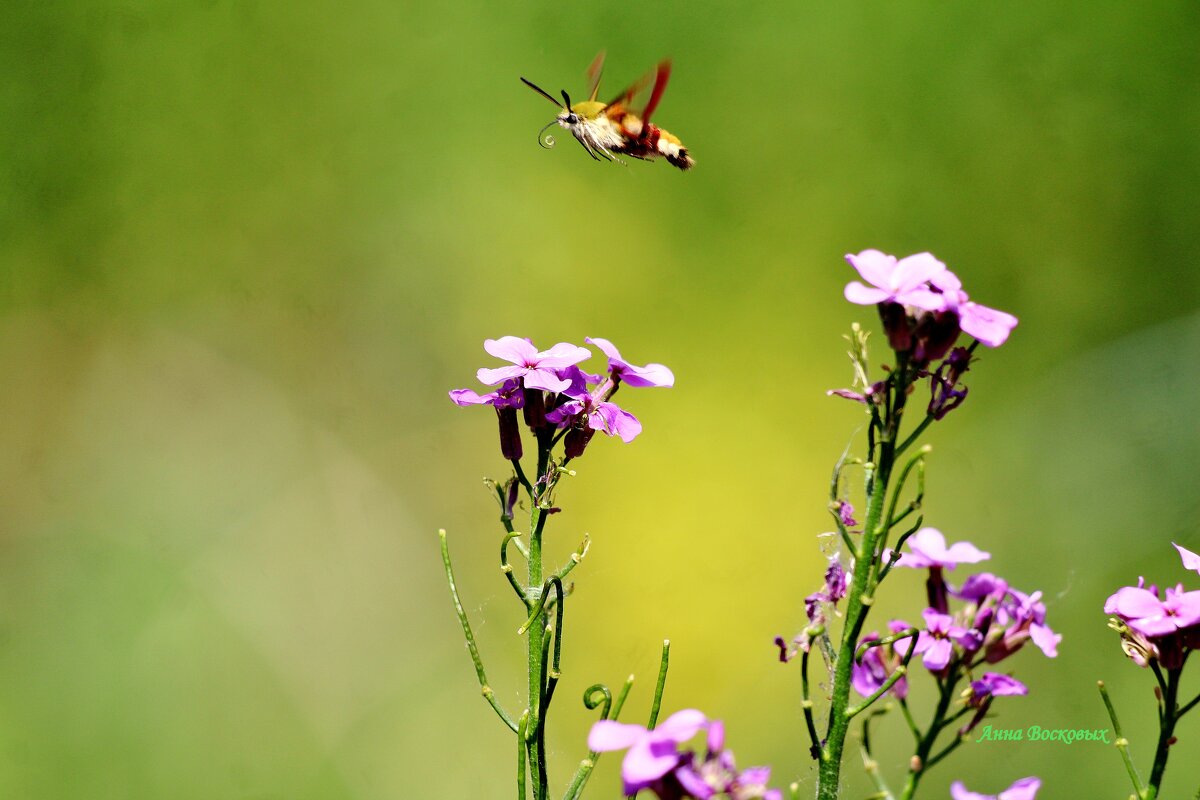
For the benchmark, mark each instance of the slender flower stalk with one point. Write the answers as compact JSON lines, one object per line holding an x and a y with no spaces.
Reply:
{"x":559,"y":403}
{"x":923,"y":310}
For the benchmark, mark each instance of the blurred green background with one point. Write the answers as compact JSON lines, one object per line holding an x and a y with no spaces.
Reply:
{"x":247,"y":247}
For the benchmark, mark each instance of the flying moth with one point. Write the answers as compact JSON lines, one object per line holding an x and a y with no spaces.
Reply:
{"x":606,"y":130}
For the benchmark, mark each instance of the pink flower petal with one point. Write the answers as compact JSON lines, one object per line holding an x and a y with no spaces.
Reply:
{"x":682,"y":725}
{"x":1024,"y":789}
{"x":914,"y":271}
{"x":988,"y":325}
{"x":874,"y":266}
{"x":466,"y":397}
{"x":562,"y":355}
{"x":863,"y":295}
{"x":510,"y":348}
{"x":607,"y":735}
{"x":545,"y":379}
{"x":960,"y":792}
{"x":1190,"y":560}
{"x":491,"y":377}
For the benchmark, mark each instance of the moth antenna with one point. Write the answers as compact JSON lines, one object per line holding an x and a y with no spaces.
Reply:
{"x":567,"y":98}
{"x":548,"y":141}
{"x":540,"y":91}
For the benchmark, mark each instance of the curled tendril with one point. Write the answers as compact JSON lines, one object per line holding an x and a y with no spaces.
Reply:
{"x":591,"y":700}
{"x":546,"y":140}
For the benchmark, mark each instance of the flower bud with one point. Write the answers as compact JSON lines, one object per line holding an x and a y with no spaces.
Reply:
{"x":510,"y":433}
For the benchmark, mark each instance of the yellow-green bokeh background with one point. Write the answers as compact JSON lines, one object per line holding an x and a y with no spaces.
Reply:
{"x":246,"y":247}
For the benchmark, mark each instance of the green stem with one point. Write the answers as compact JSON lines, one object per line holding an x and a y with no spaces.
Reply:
{"x":662,"y":682}
{"x":806,"y":703}
{"x":921,"y":761}
{"x":1166,"y":733}
{"x":1122,"y":743}
{"x":488,"y":694}
{"x":857,"y":606}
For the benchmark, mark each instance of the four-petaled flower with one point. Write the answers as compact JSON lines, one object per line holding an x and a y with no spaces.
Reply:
{"x":929,"y":549}
{"x":652,"y":753}
{"x":904,"y":281}
{"x":936,"y":642}
{"x":1151,"y":616}
{"x":536,"y":369}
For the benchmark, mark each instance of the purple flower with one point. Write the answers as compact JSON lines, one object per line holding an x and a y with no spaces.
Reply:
{"x":878,"y":663}
{"x":1190,"y":560}
{"x":1152,"y":617}
{"x":630,"y":374}
{"x":652,"y":754}
{"x":994,"y":684}
{"x":936,"y":642}
{"x":1024,"y":789}
{"x":846,"y":514}
{"x":988,"y":325}
{"x":904,"y":281}
{"x":928,"y":547}
{"x":507,"y":396}
{"x":597,"y":415}
{"x":536,"y":369}
{"x":1021,"y":617}
{"x":654,"y":761}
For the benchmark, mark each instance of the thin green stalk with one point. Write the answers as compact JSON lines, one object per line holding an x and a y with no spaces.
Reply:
{"x":856,"y":611}
{"x":662,"y":682}
{"x":507,"y":569}
{"x":522,"y":727}
{"x":588,"y":764}
{"x":1122,"y":743}
{"x":806,"y":703}
{"x":922,"y":761}
{"x":1166,"y":733}
{"x":486,"y":689}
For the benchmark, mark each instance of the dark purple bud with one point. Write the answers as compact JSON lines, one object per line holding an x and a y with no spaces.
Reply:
{"x":935,"y":334}
{"x":897,"y":325}
{"x":784,"y":656}
{"x":535,"y":408}
{"x":510,"y":434}
{"x":944,"y":397}
{"x":510,"y":498}
{"x":835,"y":583}
{"x":576,"y":441}
{"x":935,"y":590}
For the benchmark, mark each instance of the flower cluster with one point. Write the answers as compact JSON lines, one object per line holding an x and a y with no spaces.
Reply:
{"x":924,"y":309}
{"x":655,"y":762}
{"x":557,"y":398}
{"x":1158,"y":626}
{"x":923,"y":305}
{"x":993,"y":622}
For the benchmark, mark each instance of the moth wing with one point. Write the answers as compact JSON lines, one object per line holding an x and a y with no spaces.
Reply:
{"x":657,"y":79}
{"x":594,"y":72}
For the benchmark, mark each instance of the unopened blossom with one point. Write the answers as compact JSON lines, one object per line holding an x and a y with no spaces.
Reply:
{"x":537,"y":370}
{"x":631,"y":374}
{"x":989,"y":326}
{"x":902,"y":281}
{"x":1024,"y":789}
{"x":943,"y":383}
